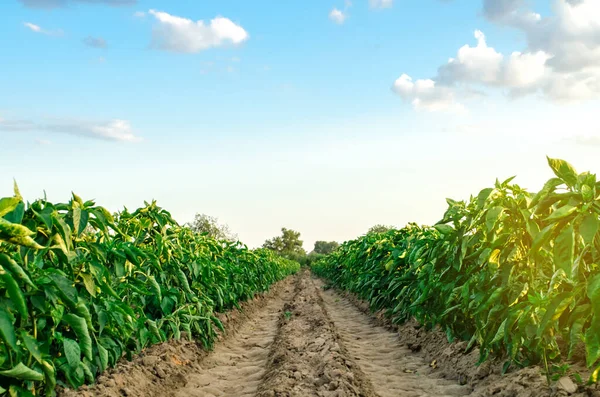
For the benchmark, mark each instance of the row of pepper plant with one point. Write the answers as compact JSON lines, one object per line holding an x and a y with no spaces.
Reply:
{"x":514,"y":273}
{"x":81,"y":288}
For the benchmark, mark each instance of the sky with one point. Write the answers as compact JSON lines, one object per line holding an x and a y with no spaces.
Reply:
{"x":323,"y":116}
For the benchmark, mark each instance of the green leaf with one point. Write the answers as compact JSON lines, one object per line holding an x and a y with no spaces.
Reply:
{"x":555,"y":309}
{"x":103,"y":355}
{"x":72,"y":353}
{"x":63,"y":229}
{"x":575,"y":334}
{"x":561,"y":213}
{"x":65,"y":286}
{"x":80,"y":328}
{"x":483,"y":196}
{"x":593,"y":292}
{"x":15,"y":293}
{"x":589,"y":228}
{"x":32,"y":346}
{"x":546,"y":190}
{"x":16,"y":215}
{"x":500,"y":333}
{"x":564,"y":250}
{"x":154,"y":330}
{"x":564,"y":171}
{"x":587,"y":193}
{"x":155,"y":287}
{"x":8,"y":204}
{"x":444,"y":229}
{"x":592,"y":342}
{"x":492,"y":217}
{"x":23,"y":372}
{"x":17,"y":271}
{"x":17,"y":234}
{"x":89,"y":283}
{"x":50,"y":377}
{"x":7,"y":329}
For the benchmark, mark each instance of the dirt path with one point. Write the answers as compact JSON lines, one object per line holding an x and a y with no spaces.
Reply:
{"x":236,"y":366}
{"x":393,"y":369}
{"x":307,"y":358}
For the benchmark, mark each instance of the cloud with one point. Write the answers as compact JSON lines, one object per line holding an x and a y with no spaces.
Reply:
{"x":139,"y":14}
{"x":485,"y":66}
{"x":115,"y":130}
{"x":381,"y":3}
{"x":49,"y":4}
{"x":94,"y":42}
{"x":561,"y":60}
{"x":337,"y":16}
{"x":173,"y":33}
{"x":426,"y":95}
{"x":38,"y":29}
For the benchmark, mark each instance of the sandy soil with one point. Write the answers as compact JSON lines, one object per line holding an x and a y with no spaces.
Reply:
{"x":392,"y":368}
{"x":308,"y":358}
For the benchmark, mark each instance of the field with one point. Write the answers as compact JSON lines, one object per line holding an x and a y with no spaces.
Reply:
{"x":501,"y":297}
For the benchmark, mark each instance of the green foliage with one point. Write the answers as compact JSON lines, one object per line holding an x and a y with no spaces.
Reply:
{"x":287,"y":245}
{"x":379,"y":229}
{"x":512,"y":272}
{"x":80,"y":288}
{"x":325,"y":247}
{"x":209,"y":225}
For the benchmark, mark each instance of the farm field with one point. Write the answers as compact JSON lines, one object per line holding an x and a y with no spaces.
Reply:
{"x":498,"y":298}
{"x":304,"y":340}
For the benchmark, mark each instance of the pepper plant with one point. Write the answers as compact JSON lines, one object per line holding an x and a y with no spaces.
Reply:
{"x":80,"y":288}
{"x":513,"y":272}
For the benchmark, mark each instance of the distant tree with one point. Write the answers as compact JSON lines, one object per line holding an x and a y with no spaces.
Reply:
{"x":205,"y":224}
{"x":288,"y":244}
{"x":379,"y":229}
{"x":325,"y":247}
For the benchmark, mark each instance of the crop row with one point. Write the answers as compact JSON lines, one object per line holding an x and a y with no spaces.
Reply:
{"x":81,"y":288}
{"x":515,"y":273}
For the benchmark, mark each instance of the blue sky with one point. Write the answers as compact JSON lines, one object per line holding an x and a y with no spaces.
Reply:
{"x":322,"y":116}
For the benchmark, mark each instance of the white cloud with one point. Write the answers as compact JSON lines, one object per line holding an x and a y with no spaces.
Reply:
{"x":33,"y":27}
{"x":115,"y":130}
{"x":381,"y":3}
{"x":178,"y":34}
{"x":480,"y":64}
{"x":561,"y":60}
{"x":570,"y":38}
{"x":426,"y":95}
{"x":337,"y":16}
{"x":485,"y":66}
{"x":38,"y":29}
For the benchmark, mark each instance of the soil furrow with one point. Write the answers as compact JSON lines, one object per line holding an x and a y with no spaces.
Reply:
{"x":237,"y":365}
{"x":393,"y":369}
{"x":307,"y":358}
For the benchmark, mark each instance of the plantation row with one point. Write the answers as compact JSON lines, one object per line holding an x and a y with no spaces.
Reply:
{"x":515,"y":273}
{"x":79,"y":288}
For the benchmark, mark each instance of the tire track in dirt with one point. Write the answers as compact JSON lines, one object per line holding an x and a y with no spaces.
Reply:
{"x":237,"y":365}
{"x":393,"y":369}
